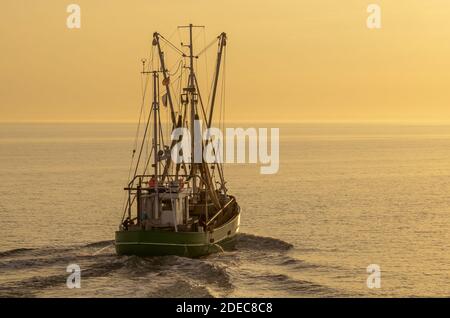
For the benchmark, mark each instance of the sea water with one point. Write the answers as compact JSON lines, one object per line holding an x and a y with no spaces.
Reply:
{"x":346,"y":196}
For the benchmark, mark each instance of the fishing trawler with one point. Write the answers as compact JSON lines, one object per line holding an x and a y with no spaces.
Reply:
{"x":177,"y":208}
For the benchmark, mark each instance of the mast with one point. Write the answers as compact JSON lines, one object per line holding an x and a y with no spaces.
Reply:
{"x":206,"y":179}
{"x":193,"y":101}
{"x":155,"y":124}
{"x":192,"y":91}
{"x":155,"y":133}
{"x":166,"y":82}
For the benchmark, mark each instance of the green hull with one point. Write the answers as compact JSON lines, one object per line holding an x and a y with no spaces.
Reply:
{"x":188,"y":244}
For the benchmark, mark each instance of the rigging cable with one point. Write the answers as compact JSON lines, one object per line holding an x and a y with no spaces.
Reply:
{"x":206,"y":47}
{"x":177,"y":64}
{"x":142,"y":144}
{"x":144,"y":85}
{"x":212,"y":84}
{"x":206,"y":60}
{"x":172,"y":45}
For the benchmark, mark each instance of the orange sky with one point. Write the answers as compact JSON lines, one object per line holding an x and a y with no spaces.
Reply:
{"x":287,"y":60}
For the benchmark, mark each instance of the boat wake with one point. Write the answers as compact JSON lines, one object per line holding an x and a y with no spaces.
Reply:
{"x":249,"y":241}
{"x":257,"y":267}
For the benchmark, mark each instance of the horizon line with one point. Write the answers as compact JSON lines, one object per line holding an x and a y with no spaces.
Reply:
{"x":362,"y":121}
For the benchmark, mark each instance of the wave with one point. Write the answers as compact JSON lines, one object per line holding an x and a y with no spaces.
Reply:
{"x":250,"y":241}
{"x":262,"y":263}
{"x":99,"y":243}
{"x":28,"y":287}
{"x":207,"y":272}
{"x":180,"y":288}
{"x":15,"y":251}
{"x":293,"y":263}
{"x":203,"y":271}
{"x":244,"y":241}
{"x":45,"y":261}
{"x":29,"y":258}
{"x":294,"y":287}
